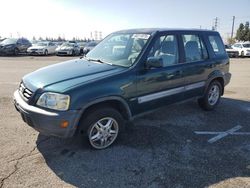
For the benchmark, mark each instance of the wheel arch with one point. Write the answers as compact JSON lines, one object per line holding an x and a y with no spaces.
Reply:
{"x":115,"y":102}
{"x":216,"y":76}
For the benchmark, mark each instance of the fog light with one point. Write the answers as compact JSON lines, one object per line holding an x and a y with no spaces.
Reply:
{"x":64,"y":124}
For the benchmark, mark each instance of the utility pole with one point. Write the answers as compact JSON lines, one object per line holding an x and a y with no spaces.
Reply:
{"x":232,"y":33}
{"x":216,"y":23}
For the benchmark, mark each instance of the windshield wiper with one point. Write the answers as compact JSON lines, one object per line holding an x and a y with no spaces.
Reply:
{"x":98,"y":60}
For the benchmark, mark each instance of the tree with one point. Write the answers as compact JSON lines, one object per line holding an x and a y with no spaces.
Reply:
{"x":59,"y":39}
{"x":248,"y":36}
{"x":240,"y":32}
{"x":231,"y":40}
{"x":246,"y":32}
{"x":243,"y":32}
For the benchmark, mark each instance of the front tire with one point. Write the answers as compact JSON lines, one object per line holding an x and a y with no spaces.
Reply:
{"x":212,"y":96}
{"x":16,"y":51}
{"x":102,"y":126}
{"x":242,"y":54}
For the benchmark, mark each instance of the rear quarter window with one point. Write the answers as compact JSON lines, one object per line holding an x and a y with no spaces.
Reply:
{"x":217,"y":45}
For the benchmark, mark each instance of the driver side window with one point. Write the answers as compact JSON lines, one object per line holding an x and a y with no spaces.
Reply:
{"x":165,"y":48}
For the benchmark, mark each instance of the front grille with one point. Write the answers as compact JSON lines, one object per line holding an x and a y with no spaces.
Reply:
{"x":63,"y":53}
{"x":25,"y":92}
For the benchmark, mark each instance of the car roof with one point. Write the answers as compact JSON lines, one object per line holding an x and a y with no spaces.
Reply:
{"x":153,"y":30}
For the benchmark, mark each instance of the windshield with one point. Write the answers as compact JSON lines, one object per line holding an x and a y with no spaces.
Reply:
{"x":119,"y":49}
{"x":68,"y":44}
{"x":246,"y":45}
{"x":42,"y":44}
{"x":9,"y":41}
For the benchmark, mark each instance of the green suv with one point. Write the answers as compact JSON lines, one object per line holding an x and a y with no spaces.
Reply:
{"x":129,"y":73}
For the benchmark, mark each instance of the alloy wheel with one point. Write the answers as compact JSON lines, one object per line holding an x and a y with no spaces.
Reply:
{"x":103,"y":133}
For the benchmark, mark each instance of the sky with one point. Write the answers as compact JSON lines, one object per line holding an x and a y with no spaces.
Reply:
{"x":78,"y":18}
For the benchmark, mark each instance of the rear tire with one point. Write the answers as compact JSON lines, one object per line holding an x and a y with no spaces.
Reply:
{"x":101,"y":126}
{"x":46,"y":52}
{"x":212,"y":96}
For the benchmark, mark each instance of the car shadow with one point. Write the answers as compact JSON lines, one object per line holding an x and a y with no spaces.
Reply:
{"x":159,"y":150}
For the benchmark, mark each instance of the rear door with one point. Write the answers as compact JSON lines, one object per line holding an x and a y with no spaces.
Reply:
{"x":196,"y":63}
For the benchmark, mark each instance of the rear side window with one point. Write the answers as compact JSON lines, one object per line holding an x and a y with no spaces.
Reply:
{"x":217,"y":45}
{"x":194,"y":47}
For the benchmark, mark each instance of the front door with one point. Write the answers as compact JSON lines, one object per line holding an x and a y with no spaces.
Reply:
{"x":163,"y":85}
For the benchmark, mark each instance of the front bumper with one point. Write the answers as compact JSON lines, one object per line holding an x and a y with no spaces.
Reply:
{"x":47,"y":122}
{"x":233,"y":54}
{"x":247,"y":53}
{"x":35,"y":52}
{"x":64,"y":52}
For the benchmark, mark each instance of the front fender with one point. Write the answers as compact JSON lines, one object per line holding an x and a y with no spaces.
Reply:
{"x":118,"y":99}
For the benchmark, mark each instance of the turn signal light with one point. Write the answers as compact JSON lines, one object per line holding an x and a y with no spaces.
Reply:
{"x":64,"y":124}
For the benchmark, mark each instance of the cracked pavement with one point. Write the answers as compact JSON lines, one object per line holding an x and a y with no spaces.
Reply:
{"x":159,"y":150}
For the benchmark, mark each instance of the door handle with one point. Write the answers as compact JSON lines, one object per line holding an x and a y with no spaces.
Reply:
{"x":174,"y":74}
{"x":178,"y":73}
{"x":210,"y":65}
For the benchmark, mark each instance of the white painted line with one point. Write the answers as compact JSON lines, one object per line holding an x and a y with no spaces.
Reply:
{"x":207,"y":132}
{"x":222,"y":135}
{"x":241,"y":133}
{"x":215,"y":133}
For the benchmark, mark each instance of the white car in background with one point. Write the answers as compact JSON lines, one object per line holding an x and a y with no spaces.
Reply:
{"x":68,"y":48}
{"x":243,"y":48}
{"x":42,"y":48}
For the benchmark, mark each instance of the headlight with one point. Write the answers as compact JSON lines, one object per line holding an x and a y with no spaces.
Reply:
{"x":54,"y":101}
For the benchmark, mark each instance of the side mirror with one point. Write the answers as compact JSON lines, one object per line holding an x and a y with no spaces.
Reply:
{"x":155,"y":62}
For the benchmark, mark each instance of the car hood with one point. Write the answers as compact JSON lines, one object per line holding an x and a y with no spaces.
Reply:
{"x":4,"y":45}
{"x":62,"y":76}
{"x":231,"y":50}
{"x":36,"y":47}
{"x":65,"y":48}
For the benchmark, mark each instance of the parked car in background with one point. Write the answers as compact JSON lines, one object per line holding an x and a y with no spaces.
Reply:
{"x":1,"y":39}
{"x":68,"y":48}
{"x":243,"y":48}
{"x":42,"y":48}
{"x":89,"y":46}
{"x":58,"y":43}
{"x":14,"y":46}
{"x":129,"y":73}
{"x":231,"y":52}
{"x":82,"y":45}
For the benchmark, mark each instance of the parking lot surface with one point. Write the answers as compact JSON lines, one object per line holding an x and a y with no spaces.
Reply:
{"x":177,"y":146}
